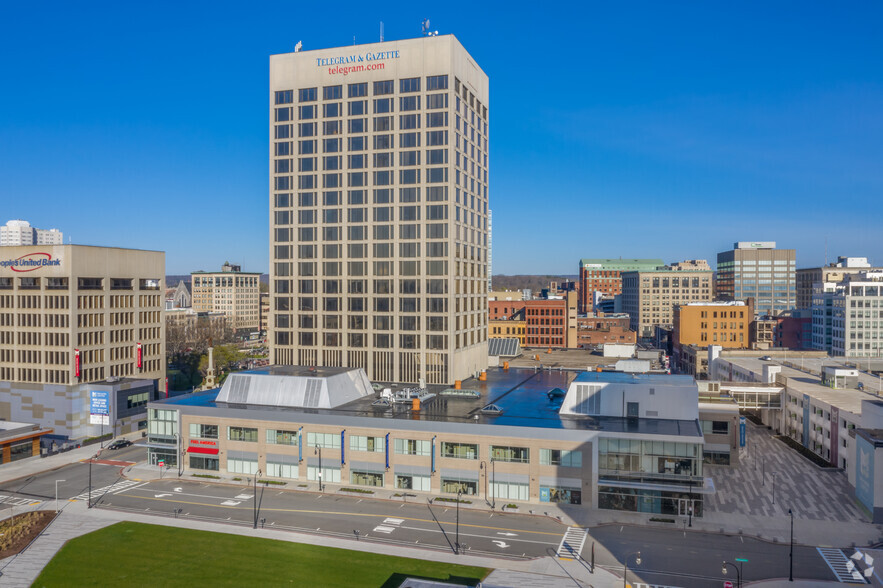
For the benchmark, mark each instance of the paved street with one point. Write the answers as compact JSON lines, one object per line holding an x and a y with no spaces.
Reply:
{"x":412,"y":522}
{"x":106,"y":471}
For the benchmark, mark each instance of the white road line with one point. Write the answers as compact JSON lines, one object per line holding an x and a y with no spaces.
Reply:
{"x":384,"y":529}
{"x":131,"y":488}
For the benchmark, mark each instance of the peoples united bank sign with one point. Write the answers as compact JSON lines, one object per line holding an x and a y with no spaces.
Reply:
{"x":30,"y":262}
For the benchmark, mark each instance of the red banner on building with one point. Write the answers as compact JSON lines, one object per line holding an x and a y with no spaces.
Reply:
{"x":76,"y":363}
{"x":139,"y":356}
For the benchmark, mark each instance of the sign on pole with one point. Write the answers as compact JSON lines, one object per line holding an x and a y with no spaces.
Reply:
{"x":728,"y":584}
{"x":741,"y":431}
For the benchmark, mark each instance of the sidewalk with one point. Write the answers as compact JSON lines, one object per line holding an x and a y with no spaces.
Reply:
{"x":75,"y":520}
{"x":37,"y":465}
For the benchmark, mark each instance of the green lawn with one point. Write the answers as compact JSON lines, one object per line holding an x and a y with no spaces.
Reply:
{"x":134,"y":554}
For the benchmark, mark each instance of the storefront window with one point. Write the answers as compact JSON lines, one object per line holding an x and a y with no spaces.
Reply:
{"x":204,"y":463}
{"x":452,"y":486}
{"x":21,"y":450}
{"x":563,"y":495}
{"x":410,"y":482}
{"x":366,"y":478}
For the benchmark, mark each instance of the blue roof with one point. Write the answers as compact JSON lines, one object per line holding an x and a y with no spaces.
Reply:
{"x":522,"y":394}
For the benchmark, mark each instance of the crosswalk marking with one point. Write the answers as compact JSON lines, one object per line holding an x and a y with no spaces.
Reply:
{"x":838,"y":562}
{"x":572,"y":542}
{"x":14,"y":501}
{"x":388,"y":526}
{"x":112,"y":489}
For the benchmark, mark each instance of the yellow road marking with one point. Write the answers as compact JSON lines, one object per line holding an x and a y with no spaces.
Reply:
{"x":338,"y":513}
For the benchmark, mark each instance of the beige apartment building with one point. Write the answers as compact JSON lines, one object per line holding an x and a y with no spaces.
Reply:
{"x":231,"y":291}
{"x":74,"y":315}
{"x":649,"y":297}
{"x":379,"y":209}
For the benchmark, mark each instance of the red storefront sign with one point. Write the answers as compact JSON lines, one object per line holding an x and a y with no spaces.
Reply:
{"x":203,"y":446}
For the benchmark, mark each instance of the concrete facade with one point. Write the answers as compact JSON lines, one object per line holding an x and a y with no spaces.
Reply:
{"x":231,"y":291}
{"x":845,"y":316}
{"x":72,"y":316}
{"x":834,"y":272}
{"x":379,"y":209}
{"x":649,"y":297}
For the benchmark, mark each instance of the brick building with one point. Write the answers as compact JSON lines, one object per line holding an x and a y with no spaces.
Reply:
{"x":605,"y":276}
{"x":551,"y":322}
{"x":597,"y":329}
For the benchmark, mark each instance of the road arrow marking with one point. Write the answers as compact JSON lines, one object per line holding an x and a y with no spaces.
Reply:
{"x":229,"y":503}
{"x":179,"y":489}
{"x":161,"y":495}
{"x":500,"y":544}
{"x":508,"y":534}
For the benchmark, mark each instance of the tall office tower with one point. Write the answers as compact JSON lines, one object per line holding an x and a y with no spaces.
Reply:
{"x":758,"y":270}
{"x":79,"y":323}
{"x":605,"y":276}
{"x":232,"y":291}
{"x":379,"y":209}
{"x":19,"y":232}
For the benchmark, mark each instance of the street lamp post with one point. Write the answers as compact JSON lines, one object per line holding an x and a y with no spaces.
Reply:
{"x":625,"y":571}
{"x":738,"y":573}
{"x":89,"y":497}
{"x":457,"y":540}
{"x":763,"y":471}
{"x":791,"y":552}
{"x":56,"y":493}
{"x":255,"y":497}
{"x":319,"y":452}
{"x":483,"y":466}
{"x":690,"y":506}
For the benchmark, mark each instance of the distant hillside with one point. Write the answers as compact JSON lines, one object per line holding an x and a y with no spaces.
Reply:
{"x":520,"y":282}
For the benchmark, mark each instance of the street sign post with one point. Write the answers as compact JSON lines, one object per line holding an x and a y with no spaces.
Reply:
{"x":728,"y":584}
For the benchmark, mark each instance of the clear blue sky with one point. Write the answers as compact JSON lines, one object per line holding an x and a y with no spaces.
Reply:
{"x":657,"y":129}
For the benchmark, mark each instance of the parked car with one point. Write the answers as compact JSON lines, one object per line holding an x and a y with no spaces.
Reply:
{"x":766,"y":358}
{"x":119,"y":444}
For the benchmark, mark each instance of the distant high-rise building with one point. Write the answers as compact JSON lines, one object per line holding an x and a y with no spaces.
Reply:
{"x":231,"y":291}
{"x":844,"y":315}
{"x":379,"y":210}
{"x":834,"y":272}
{"x":604,"y":276}
{"x":756,"y":269}
{"x":19,"y":232}
{"x":649,"y":297}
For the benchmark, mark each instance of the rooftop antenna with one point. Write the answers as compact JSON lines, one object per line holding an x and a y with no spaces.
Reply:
{"x":381,"y":31}
{"x":298,"y":47}
{"x":426,"y":30}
